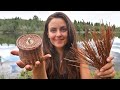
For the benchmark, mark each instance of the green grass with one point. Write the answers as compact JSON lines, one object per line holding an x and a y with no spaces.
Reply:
{"x":25,"y":75}
{"x":117,"y":75}
{"x":28,"y":74}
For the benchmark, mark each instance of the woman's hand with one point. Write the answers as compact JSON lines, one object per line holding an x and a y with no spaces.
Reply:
{"x":29,"y":67}
{"x":39,"y":70}
{"x":107,"y":71}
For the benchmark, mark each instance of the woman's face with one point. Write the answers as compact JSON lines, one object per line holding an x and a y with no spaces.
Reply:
{"x":57,"y":32}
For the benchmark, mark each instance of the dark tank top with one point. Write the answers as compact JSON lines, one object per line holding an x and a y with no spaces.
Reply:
{"x":57,"y":75}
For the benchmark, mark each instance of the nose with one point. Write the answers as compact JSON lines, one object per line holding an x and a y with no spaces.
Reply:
{"x":58,"y":33}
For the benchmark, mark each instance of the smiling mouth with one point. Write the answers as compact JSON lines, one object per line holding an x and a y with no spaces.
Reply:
{"x":59,"y":40}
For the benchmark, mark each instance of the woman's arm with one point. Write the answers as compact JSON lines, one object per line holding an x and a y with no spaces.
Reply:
{"x":85,"y":71}
{"x":107,"y":71}
{"x":38,"y":71}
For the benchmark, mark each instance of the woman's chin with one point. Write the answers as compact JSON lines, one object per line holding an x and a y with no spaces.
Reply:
{"x":59,"y":46}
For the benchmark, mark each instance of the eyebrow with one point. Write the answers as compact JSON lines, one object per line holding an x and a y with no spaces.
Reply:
{"x":60,"y":27}
{"x":63,"y":27}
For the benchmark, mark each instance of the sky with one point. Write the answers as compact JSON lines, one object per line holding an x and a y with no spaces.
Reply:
{"x":93,"y":16}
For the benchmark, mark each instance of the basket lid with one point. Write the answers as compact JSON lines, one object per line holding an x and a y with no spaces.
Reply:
{"x":29,"y":41}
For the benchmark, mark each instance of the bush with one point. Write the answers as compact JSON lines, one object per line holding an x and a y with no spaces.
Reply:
{"x":25,"y":74}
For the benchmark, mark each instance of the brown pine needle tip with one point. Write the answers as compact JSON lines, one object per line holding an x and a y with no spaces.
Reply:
{"x":96,"y":51}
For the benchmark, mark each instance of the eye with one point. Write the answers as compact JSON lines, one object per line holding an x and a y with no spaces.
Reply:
{"x":53,"y":30}
{"x":63,"y":29}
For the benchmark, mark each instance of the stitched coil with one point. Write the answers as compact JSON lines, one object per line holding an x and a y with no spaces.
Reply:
{"x":29,"y":46}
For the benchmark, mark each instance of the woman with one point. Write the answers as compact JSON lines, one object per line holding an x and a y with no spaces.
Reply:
{"x":58,"y":38}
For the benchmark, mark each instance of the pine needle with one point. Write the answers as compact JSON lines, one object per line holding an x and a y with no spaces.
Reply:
{"x":95,"y":53}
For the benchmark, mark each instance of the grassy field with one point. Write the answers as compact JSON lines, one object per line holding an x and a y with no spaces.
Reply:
{"x":117,"y":75}
{"x":28,"y":74}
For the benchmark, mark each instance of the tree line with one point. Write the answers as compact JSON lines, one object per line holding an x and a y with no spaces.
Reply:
{"x":16,"y":26}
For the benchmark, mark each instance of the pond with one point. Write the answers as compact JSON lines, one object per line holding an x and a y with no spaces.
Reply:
{"x":5,"y":52}
{"x":6,"y":56}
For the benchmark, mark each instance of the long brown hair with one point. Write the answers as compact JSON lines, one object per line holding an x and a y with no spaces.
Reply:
{"x":53,"y":66}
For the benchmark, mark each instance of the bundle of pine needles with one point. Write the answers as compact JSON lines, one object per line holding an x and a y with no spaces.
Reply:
{"x":96,"y":51}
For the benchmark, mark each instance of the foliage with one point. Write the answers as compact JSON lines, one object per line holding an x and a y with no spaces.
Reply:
{"x":14,"y":27}
{"x":117,"y":75}
{"x":25,"y":74}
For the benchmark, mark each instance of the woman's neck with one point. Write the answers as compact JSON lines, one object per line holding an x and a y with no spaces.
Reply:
{"x":60,"y":52}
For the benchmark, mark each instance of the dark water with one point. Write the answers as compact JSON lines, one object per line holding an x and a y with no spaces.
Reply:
{"x":6,"y":56}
